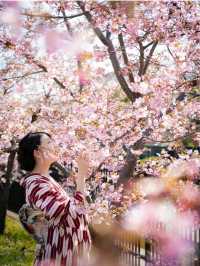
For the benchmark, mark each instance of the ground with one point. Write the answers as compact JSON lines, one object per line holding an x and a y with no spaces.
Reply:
{"x":16,"y":246}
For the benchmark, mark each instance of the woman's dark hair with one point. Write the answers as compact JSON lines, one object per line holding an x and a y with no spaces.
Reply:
{"x":27,"y":145}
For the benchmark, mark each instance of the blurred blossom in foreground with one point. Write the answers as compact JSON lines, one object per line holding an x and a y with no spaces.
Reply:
{"x":161,"y":222}
{"x":60,"y":41}
{"x":183,"y":168}
{"x":150,"y":186}
{"x":168,"y":208}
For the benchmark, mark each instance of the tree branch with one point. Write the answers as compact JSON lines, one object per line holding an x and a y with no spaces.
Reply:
{"x":95,"y":171}
{"x":44,"y":69}
{"x":172,"y":140}
{"x":57,"y":81}
{"x":141,"y":58}
{"x":23,"y":76}
{"x":132,"y":96}
{"x":98,"y":32}
{"x":121,"y":136}
{"x":125,"y":57}
{"x":66,"y":22}
{"x":149,"y":57}
{"x":113,"y":57}
{"x":174,"y":58}
{"x":147,"y":45}
{"x":48,"y":16}
{"x":128,"y":168}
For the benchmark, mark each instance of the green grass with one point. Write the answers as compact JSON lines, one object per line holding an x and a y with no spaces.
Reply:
{"x":16,"y":246}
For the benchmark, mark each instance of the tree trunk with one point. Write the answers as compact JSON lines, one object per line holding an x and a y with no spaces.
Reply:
{"x":5,"y":187}
{"x":4,"y":195}
{"x":128,"y":169}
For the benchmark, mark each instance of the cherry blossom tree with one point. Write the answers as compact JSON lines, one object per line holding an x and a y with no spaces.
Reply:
{"x":103,"y":76}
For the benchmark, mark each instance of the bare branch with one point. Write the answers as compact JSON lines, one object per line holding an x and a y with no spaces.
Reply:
{"x":169,"y":50}
{"x":66,"y":22}
{"x":145,"y":35}
{"x":60,"y":84}
{"x":149,"y":44}
{"x":48,"y":16}
{"x":22,"y":76}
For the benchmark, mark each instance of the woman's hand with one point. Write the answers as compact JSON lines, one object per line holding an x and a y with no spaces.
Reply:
{"x":83,"y":164}
{"x":83,"y":167}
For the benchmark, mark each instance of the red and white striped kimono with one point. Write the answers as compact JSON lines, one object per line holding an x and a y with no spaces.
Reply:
{"x":66,"y":233}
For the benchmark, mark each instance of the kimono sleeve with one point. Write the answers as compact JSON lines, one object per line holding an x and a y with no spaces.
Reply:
{"x":44,"y":196}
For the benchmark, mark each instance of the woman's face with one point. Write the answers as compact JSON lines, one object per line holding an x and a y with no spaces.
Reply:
{"x":48,"y":151}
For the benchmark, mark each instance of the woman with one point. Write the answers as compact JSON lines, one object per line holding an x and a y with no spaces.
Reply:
{"x":64,"y":232}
